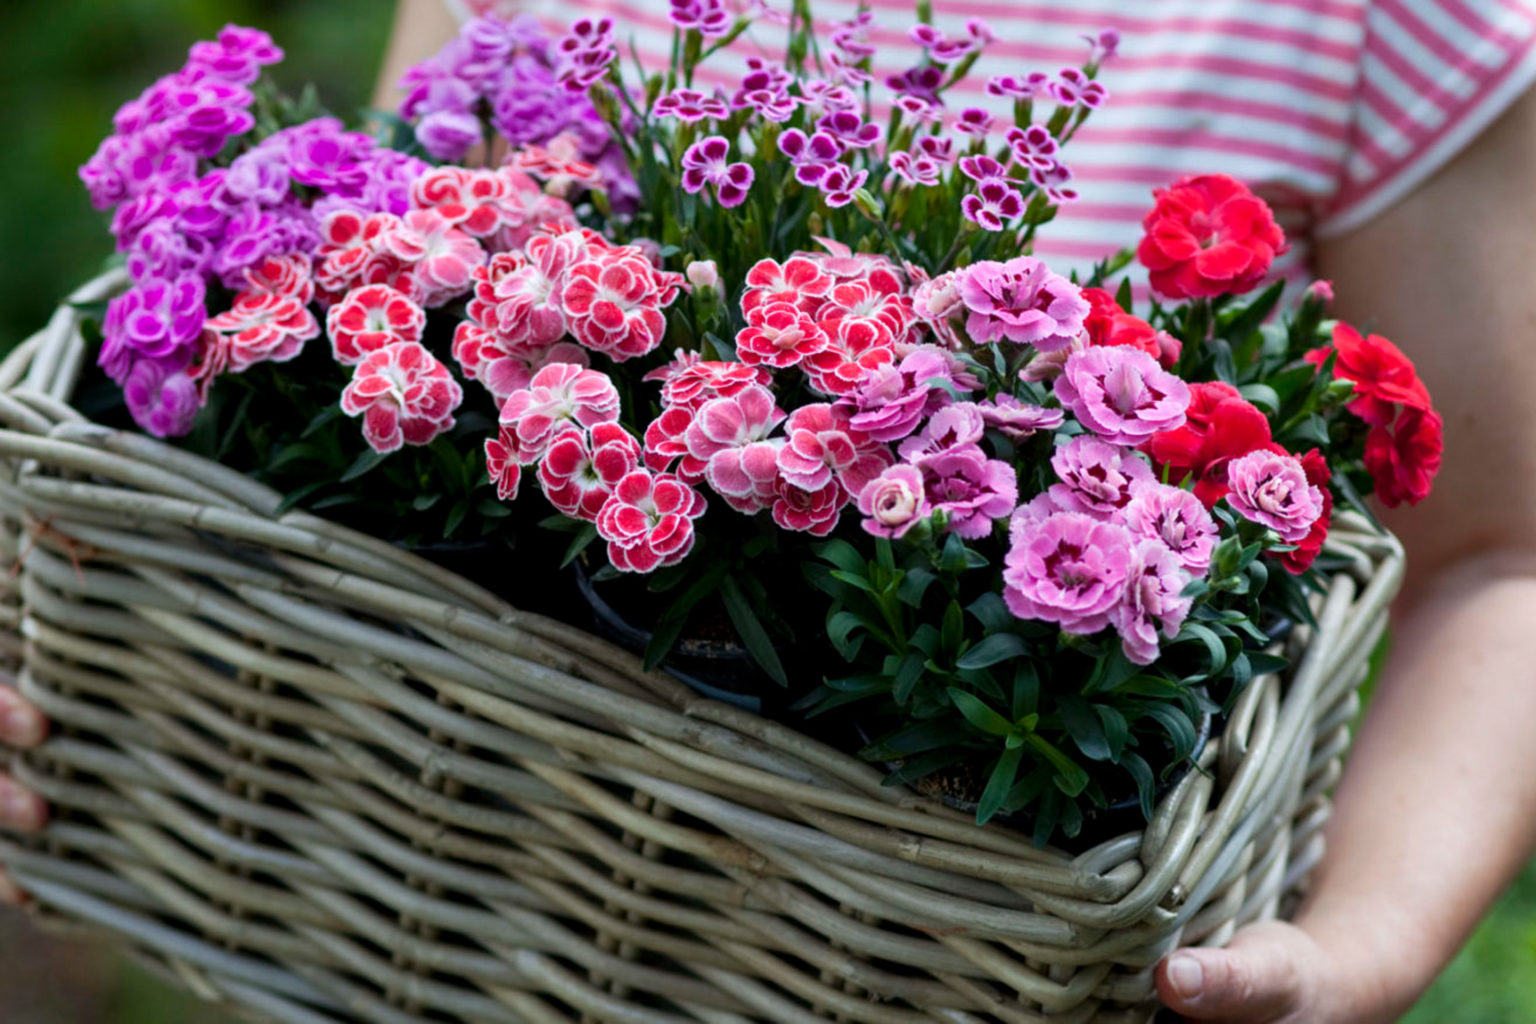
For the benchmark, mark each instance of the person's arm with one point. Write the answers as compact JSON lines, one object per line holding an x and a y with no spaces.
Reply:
{"x":21,"y":725}
{"x":1437,"y":809}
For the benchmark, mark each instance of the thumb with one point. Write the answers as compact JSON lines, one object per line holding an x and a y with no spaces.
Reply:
{"x":1254,"y":979}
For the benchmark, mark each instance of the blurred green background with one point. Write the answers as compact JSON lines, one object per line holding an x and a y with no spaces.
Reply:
{"x":65,"y":65}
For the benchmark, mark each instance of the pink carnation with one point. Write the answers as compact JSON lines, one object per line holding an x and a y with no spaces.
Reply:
{"x":291,"y":275}
{"x":823,"y":446}
{"x":1121,"y":394}
{"x":779,"y":334}
{"x":724,"y":427}
{"x":894,"y":502}
{"x":893,"y":398}
{"x":404,"y":395}
{"x":1272,"y":489}
{"x":648,"y":521}
{"x":951,"y":427}
{"x":690,"y":382}
{"x":1152,"y":601}
{"x":970,"y":489}
{"x":263,"y":327}
{"x":1018,"y":420}
{"x":1177,"y":519}
{"x":1067,"y":568}
{"x":561,"y":397}
{"x":666,"y":444}
{"x":503,"y":366}
{"x":501,"y":464}
{"x":580,"y":469}
{"x":368,"y":318}
{"x":855,"y":346}
{"x":1021,"y":301}
{"x":441,"y":256}
{"x":613,"y":302}
{"x":814,"y":511}
{"x":1098,"y":479}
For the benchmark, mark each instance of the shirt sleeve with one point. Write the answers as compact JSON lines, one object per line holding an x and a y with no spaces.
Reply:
{"x":1433,"y":74}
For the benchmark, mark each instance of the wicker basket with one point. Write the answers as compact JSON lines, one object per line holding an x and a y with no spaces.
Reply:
{"x":319,"y":779}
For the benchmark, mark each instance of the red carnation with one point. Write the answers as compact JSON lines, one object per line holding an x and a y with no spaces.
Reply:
{"x":1305,"y":553}
{"x":1220,"y":425}
{"x":1207,"y":236}
{"x":1385,"y":379}
{"x":1108,"y":324}
{"x":1404,"y":461}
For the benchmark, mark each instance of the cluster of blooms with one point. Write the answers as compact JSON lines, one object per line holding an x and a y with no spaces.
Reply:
{"x":506,"y":73}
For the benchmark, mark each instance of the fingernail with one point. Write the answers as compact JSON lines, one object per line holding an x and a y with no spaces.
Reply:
{"x":1186,"y":977}
{"x":19,"y":808}
{"x":21,"y":726}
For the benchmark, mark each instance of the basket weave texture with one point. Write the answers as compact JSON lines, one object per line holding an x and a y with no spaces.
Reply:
{"x":320,"y":779}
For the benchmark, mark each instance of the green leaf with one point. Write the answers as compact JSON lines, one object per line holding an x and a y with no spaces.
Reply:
{"x":885,"y":557}
{"x":843,"y":555}
{"x":1245,"y":320}
{"x":1026,"y":689}
{"x":1116,"y":730}
{"x":854,"y":579}
{"x":1263,"y":396}
{"x":367,"y":461}
{"x":1071,"y":779}
{"x":753,"y":636}
{"x":990,"y":610}
{"x":906,"y":677}
{"x":953,"y":559}
{"x":422,"y":502}
{"x":1213,"y":645}
{"x":1084,"y":727}
{"x":993,"y":649}
{"x":294,"y":497}
{"x":1111,"y":671}
{"x":840,"y":628}
{"x":579,"y":543}
{"x":1181,"y":731}
{"x":999,"y":785}
{"x":1146,"y":783}
{"x":914,"y":585}
{"x":455,"y":518}
{"x":978,"y":714}
{"x":952,"y":629}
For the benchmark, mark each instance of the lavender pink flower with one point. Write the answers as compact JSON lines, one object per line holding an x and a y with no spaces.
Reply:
{"x":1122,"y":394}
{"x":894,"y":502}
{"x":1176,"y":519}
{"x":1098,"y":479}
{"x":970,"y":489}
{"x":1271,"y":489}
{"x":994,"y":203}
{"x":894,"y":397}
{"x":1021,"y":301}
{"x":707,"y":162}
{"x":161,"y":396}
{"x":1067,"y":568}
{"x":1153,"y":602}
{"x":1018,"y":420}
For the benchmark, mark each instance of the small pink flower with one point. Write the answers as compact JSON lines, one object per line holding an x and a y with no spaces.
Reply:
{"x":915,"y":168}
{"x":975,"y":121}
{"x":478,"y":202}
{"x":692,"y":382}
{"x":369,"y":318}
{"x":1018,"y":420}
{"x":994,"y":203}
{"x":837,"y":182}
{"x":1098,"y":479}
{"x":1272,"y":489}
{"x":504,"y":367}
{"x":648,"y":521}
{"x":814,"y":511}
{"x":1017,"y":87}
{"x":970,"y":489}
{"x":724,"y":427}
{"x":702,"y":275}
{"x":892,"y":400}
{"x":1034,"y":147}
{"x":953,"y":426}
{"x":690,"y":106}
{"x":779,"y":335}
{"x":559,"y":164}
{"x":798,"y":281}
{"x":707,"y":162}
{"x":1122,"y":394}
{"x":263,"y":327}
{"x":501,"y":464}
{"x":561,"y":397}
{"x":613,"y":302}
{"x":580,"y":469}
{"x":981,"y":167}
{"x":822,"y":447}
{"x":666,"y":444}
{"x":1021,"y":301}
{"x":855,"y":346}
{"x":848,"y":128}
{"x":291,"y":276}
{"x":1069,"y":569}
{"x":894,"y":502}
{"x":404,"y":395}
{"x":1153,"y":601}
{"x":1178,"y":520}
{"x":442,"y":256}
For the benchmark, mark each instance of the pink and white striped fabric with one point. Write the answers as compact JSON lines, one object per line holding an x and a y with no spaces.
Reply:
{"x":1331,"y":109}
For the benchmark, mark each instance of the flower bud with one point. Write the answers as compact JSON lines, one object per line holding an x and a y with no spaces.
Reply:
{"x":704,"y":275}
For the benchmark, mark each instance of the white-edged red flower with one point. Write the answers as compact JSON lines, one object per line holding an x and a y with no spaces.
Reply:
{"x":648,"y":521}
{"x":404,"y":395}
{"x":559,"y":165}
{"x":580,"y":469}
{"x":502,"y":465}
{"x":561,"y":397}
{"x":814,"y":511}
{"x":722,"y":427}
{"x":779,"y":334}
{"x":855,"y":347}
{"x":262,"y":327}
{"x":441,"y":256}
{"x":478,"y":202}
{"x":613,"y":301}
{"x":292,"y":275}
{"x":504,"y":367}
{"x":690,"y":382}
{"x":352,"y":253}
{"x":799,"y":281}
{"x":666,"y":444}
{"x":822,"y":447}
{"x":369,"y":318}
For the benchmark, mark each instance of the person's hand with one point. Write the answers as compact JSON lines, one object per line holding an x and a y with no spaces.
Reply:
{"x":1271,"y":973}
{"x":21,"y":725}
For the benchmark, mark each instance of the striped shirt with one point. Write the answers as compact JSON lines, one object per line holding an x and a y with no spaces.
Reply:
{"x":1331,"y":109}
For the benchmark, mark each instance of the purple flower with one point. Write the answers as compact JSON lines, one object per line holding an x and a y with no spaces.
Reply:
{"x":852,"y":36}
{"x":1072,"y":88}
{"x":818,"y":148}
{"x":1017,"y":87}
{"x":974,"y":121}
{"x":1097,"y":479}
{"x":1021,"y":301}
{"x":915,"y":168}
{"x":708,"y":17}
{"x":1152,"y":600}
{"x":938,"y":148}
{"x":1178,"y":520}
{"x":320,"y":154}
{"x":1054,"y":181}
{"x":162,"y":250}
{"x":1033,"y":147}
{"x":161,"y":397}
{"x":918,"y":109}
{"x":922,"y":82}
{"x":1016,"y":419}
{"x":848,"y":128}
{"x":690,"y":105}
{"x":894,"y":502}
{"x":237,"y":55}
{"x":1122,"y":394}
{"x":894,"y":397}
{"x":706,"y":162}
{"x":159,"y":319}
{"x":838,"y":183}
{"x":135,"y":215}
{"x":981,"y":167}
{"x":584,"y":54}
{"x":1271,"y":489}
{"x":993,"y":204}
{"x":1103,"y":46}
{"x":970,"y":489}
{"x":447,"y":134}
{"x":1067,"y":568}
{"x":955,"y":426}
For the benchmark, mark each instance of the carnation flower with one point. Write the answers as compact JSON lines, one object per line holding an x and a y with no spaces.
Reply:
{"x":1021,"y":301}
{"x":691,"y":383}
{"x":1271,"y":489}
{"x":1018,"y":420}
{"x":517,"y":294}
{"x":779,"y":335}
{"x":478,"y":202}
{"x":1207,"y":236}
{"x":814,"y":511}
{"x":992,"y":205}
{"x":369,"y":318}
{"x":690,"y":106}
{"x":291,"y":275}
{"x":561,"y":397}
{"x":1097,"y":478}
{"x":648,"y":521}
{"x":1108,"y":324}
{"x":707,"y":162}
{"x":580,"y":469}
{"x":504,"y":366}
{"x":953,"y":426}
{"x":404,"y":395}
{"x":158,"y":319}
{"x":1404,"y":459}
{"x":970,"y":489}
{"x":855,"y":347}
{"x":613,"y":302}
{"x":1068,"y":568}
{"x":823,"y":446}
{"x":262,"y":327}
{"x":1221,"y":425}
{"x":1121,"y":394}
{"x":1385,"y":379}
{"x":161,"y":396}
{"x":1153,"y":602}
{"x":666,"y":444}
{"x":441,"y":256}
{"x":1300,"y":558}
{"x":502,"y":464}
{"x":893,"y":398}
{"x":723,"y":428}
{"x":1176,"y":519}
{"x":798,"y":281}
{"x":894,"y":502}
